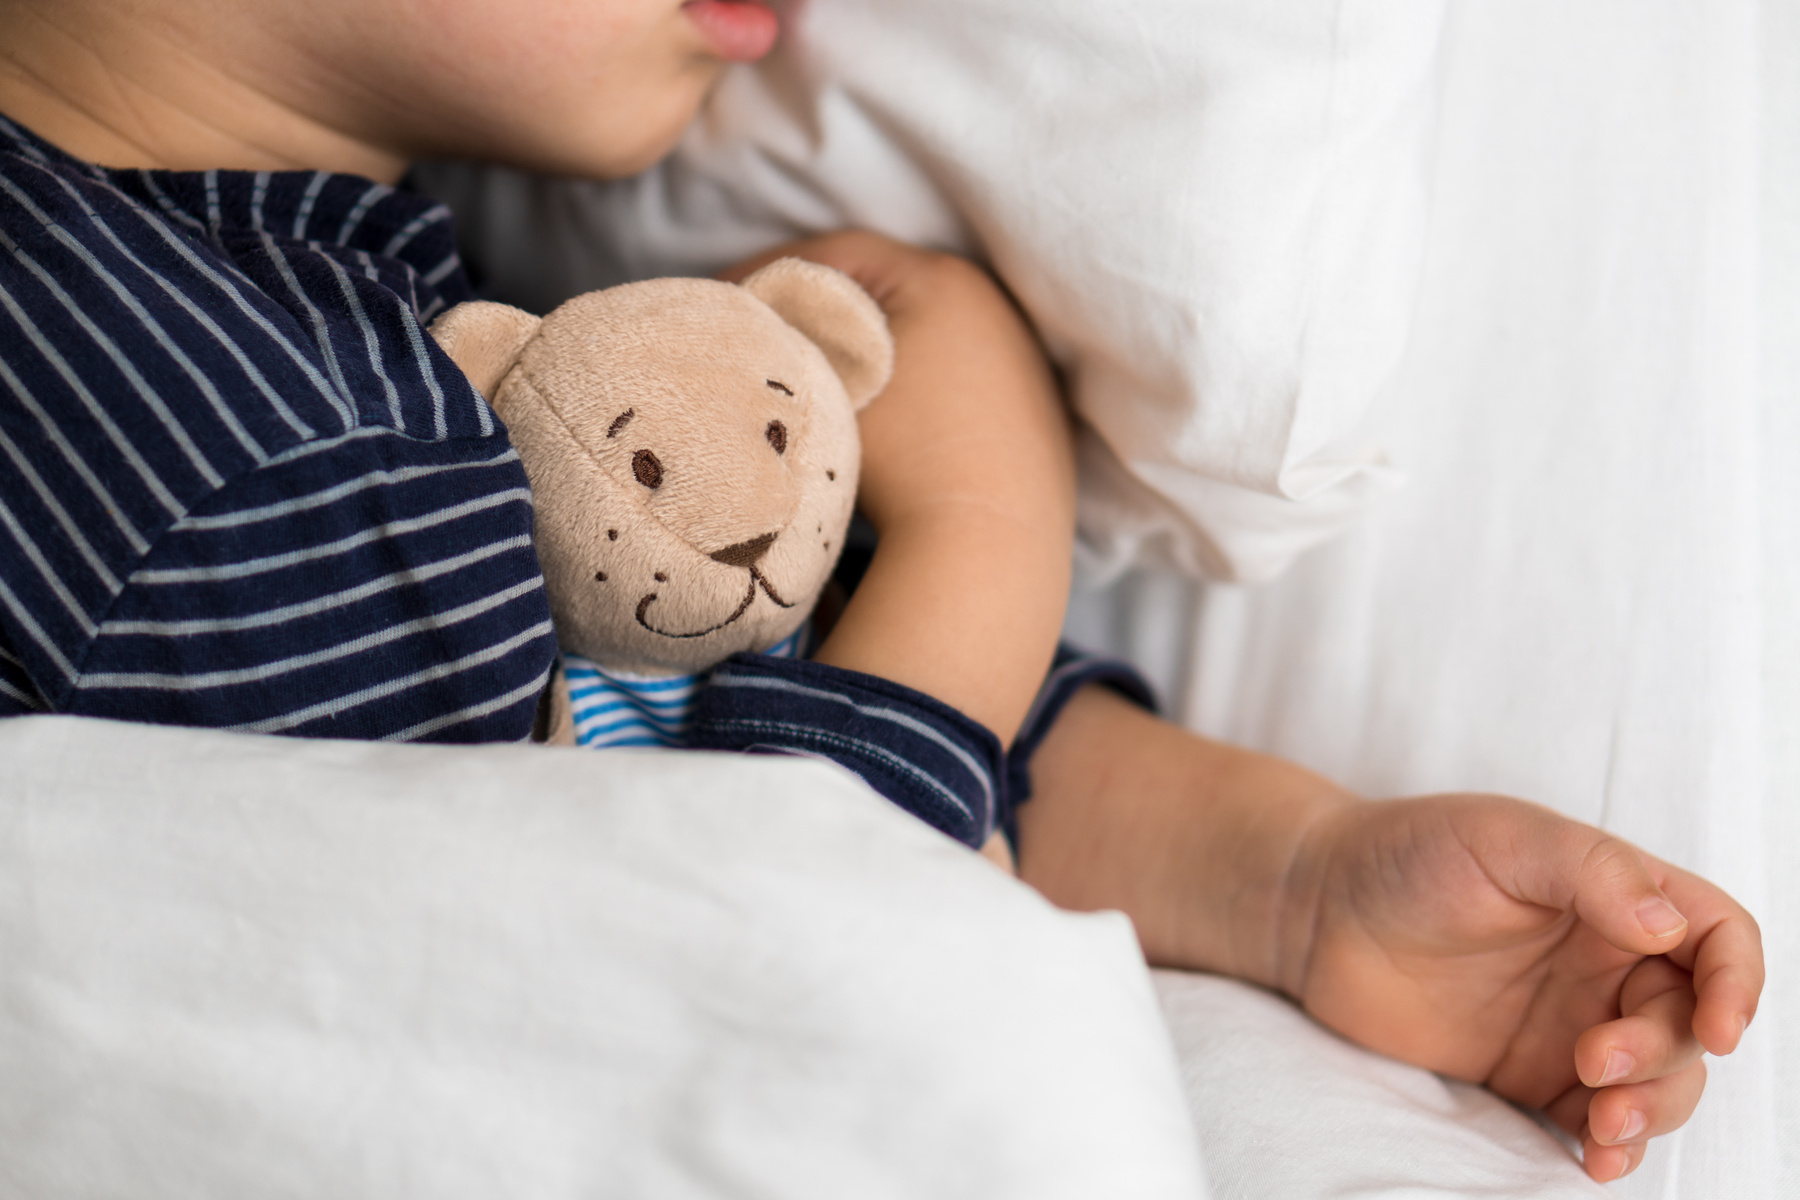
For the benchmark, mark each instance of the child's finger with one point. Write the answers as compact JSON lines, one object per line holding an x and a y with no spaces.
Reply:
{"x":740,"y":271}
{"x":1607,"y":1163}
{"x":844,"y":251}
{"x":1570,"y":1110}
{"x":1640,"y":1111}
{"x":1723,"y":949}
{"x":877,"y":263}
{"x":1652,"y":1040}
{"x":1547,"y":859}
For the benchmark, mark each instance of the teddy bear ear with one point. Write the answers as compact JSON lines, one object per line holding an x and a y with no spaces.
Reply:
{"x":837,"y":315}
{"x":484,"y":339}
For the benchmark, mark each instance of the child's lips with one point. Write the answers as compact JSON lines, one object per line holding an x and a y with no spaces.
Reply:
{"x":735,"y":30}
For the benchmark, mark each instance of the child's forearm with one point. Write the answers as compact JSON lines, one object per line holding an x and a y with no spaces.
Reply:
{"x":968,"y":476}
{"x":962,"y":607}
{"x":1194,"y":839}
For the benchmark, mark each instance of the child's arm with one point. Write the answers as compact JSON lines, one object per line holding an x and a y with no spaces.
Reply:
{"x":1477,"y":935}
{"x":968,"y":476}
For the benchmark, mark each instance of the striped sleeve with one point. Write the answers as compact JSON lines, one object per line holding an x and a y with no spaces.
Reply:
{"x":925,"y":756}
{"x":367,"y":586}
{"x":1072,"y":670}
{"x":931,"y":760}
{"x":240,"y":486}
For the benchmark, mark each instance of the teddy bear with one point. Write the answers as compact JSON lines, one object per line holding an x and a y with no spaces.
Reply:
{"x":693,"y":456}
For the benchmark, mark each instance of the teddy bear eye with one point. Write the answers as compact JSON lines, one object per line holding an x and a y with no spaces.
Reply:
{"x":777,"y":435}
{"x":648,"y":470}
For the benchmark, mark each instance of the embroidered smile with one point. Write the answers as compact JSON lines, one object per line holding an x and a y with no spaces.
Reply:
{"x":756,"y":580}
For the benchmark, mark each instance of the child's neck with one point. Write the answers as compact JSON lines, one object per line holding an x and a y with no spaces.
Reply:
{"x":122,"y":89}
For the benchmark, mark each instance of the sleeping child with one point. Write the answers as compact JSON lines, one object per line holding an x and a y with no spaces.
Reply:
{"x":240,"y":487}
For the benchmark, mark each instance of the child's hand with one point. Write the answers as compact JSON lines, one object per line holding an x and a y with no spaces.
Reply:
{"x":968,"y":475}
{"x":1500,"y":942}
{"x":1480,"y":936}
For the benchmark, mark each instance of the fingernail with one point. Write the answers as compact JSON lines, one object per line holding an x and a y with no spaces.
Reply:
{"x":1618,"y":1066}
{"x":1634,"y":1125}
{"x":1659,"y":918}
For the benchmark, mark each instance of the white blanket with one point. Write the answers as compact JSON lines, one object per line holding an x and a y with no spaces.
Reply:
{"x":236,"y":966}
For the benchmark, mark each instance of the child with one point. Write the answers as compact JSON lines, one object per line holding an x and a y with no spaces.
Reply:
{"x":215,"y":346}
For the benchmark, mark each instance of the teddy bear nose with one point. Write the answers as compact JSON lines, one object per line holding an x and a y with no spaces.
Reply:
{"x":745,"y":554}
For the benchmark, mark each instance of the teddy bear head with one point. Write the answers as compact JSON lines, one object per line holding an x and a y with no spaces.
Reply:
{"x":692,"y":451}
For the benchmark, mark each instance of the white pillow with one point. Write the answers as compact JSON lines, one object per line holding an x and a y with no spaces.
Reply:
{"x":1213,"y":210}
{"x":241,"y":966}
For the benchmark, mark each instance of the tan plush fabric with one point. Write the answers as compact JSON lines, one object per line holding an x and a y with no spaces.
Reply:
{"x":484,"y":339}
{"x":693,"y":456}
{"x":836,"y":315}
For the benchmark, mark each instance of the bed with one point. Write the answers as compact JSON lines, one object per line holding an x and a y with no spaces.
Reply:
{"x":1527,"y":523}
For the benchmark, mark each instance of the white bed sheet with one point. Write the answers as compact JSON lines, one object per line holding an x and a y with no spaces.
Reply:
{"x":1288,"y":1111}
